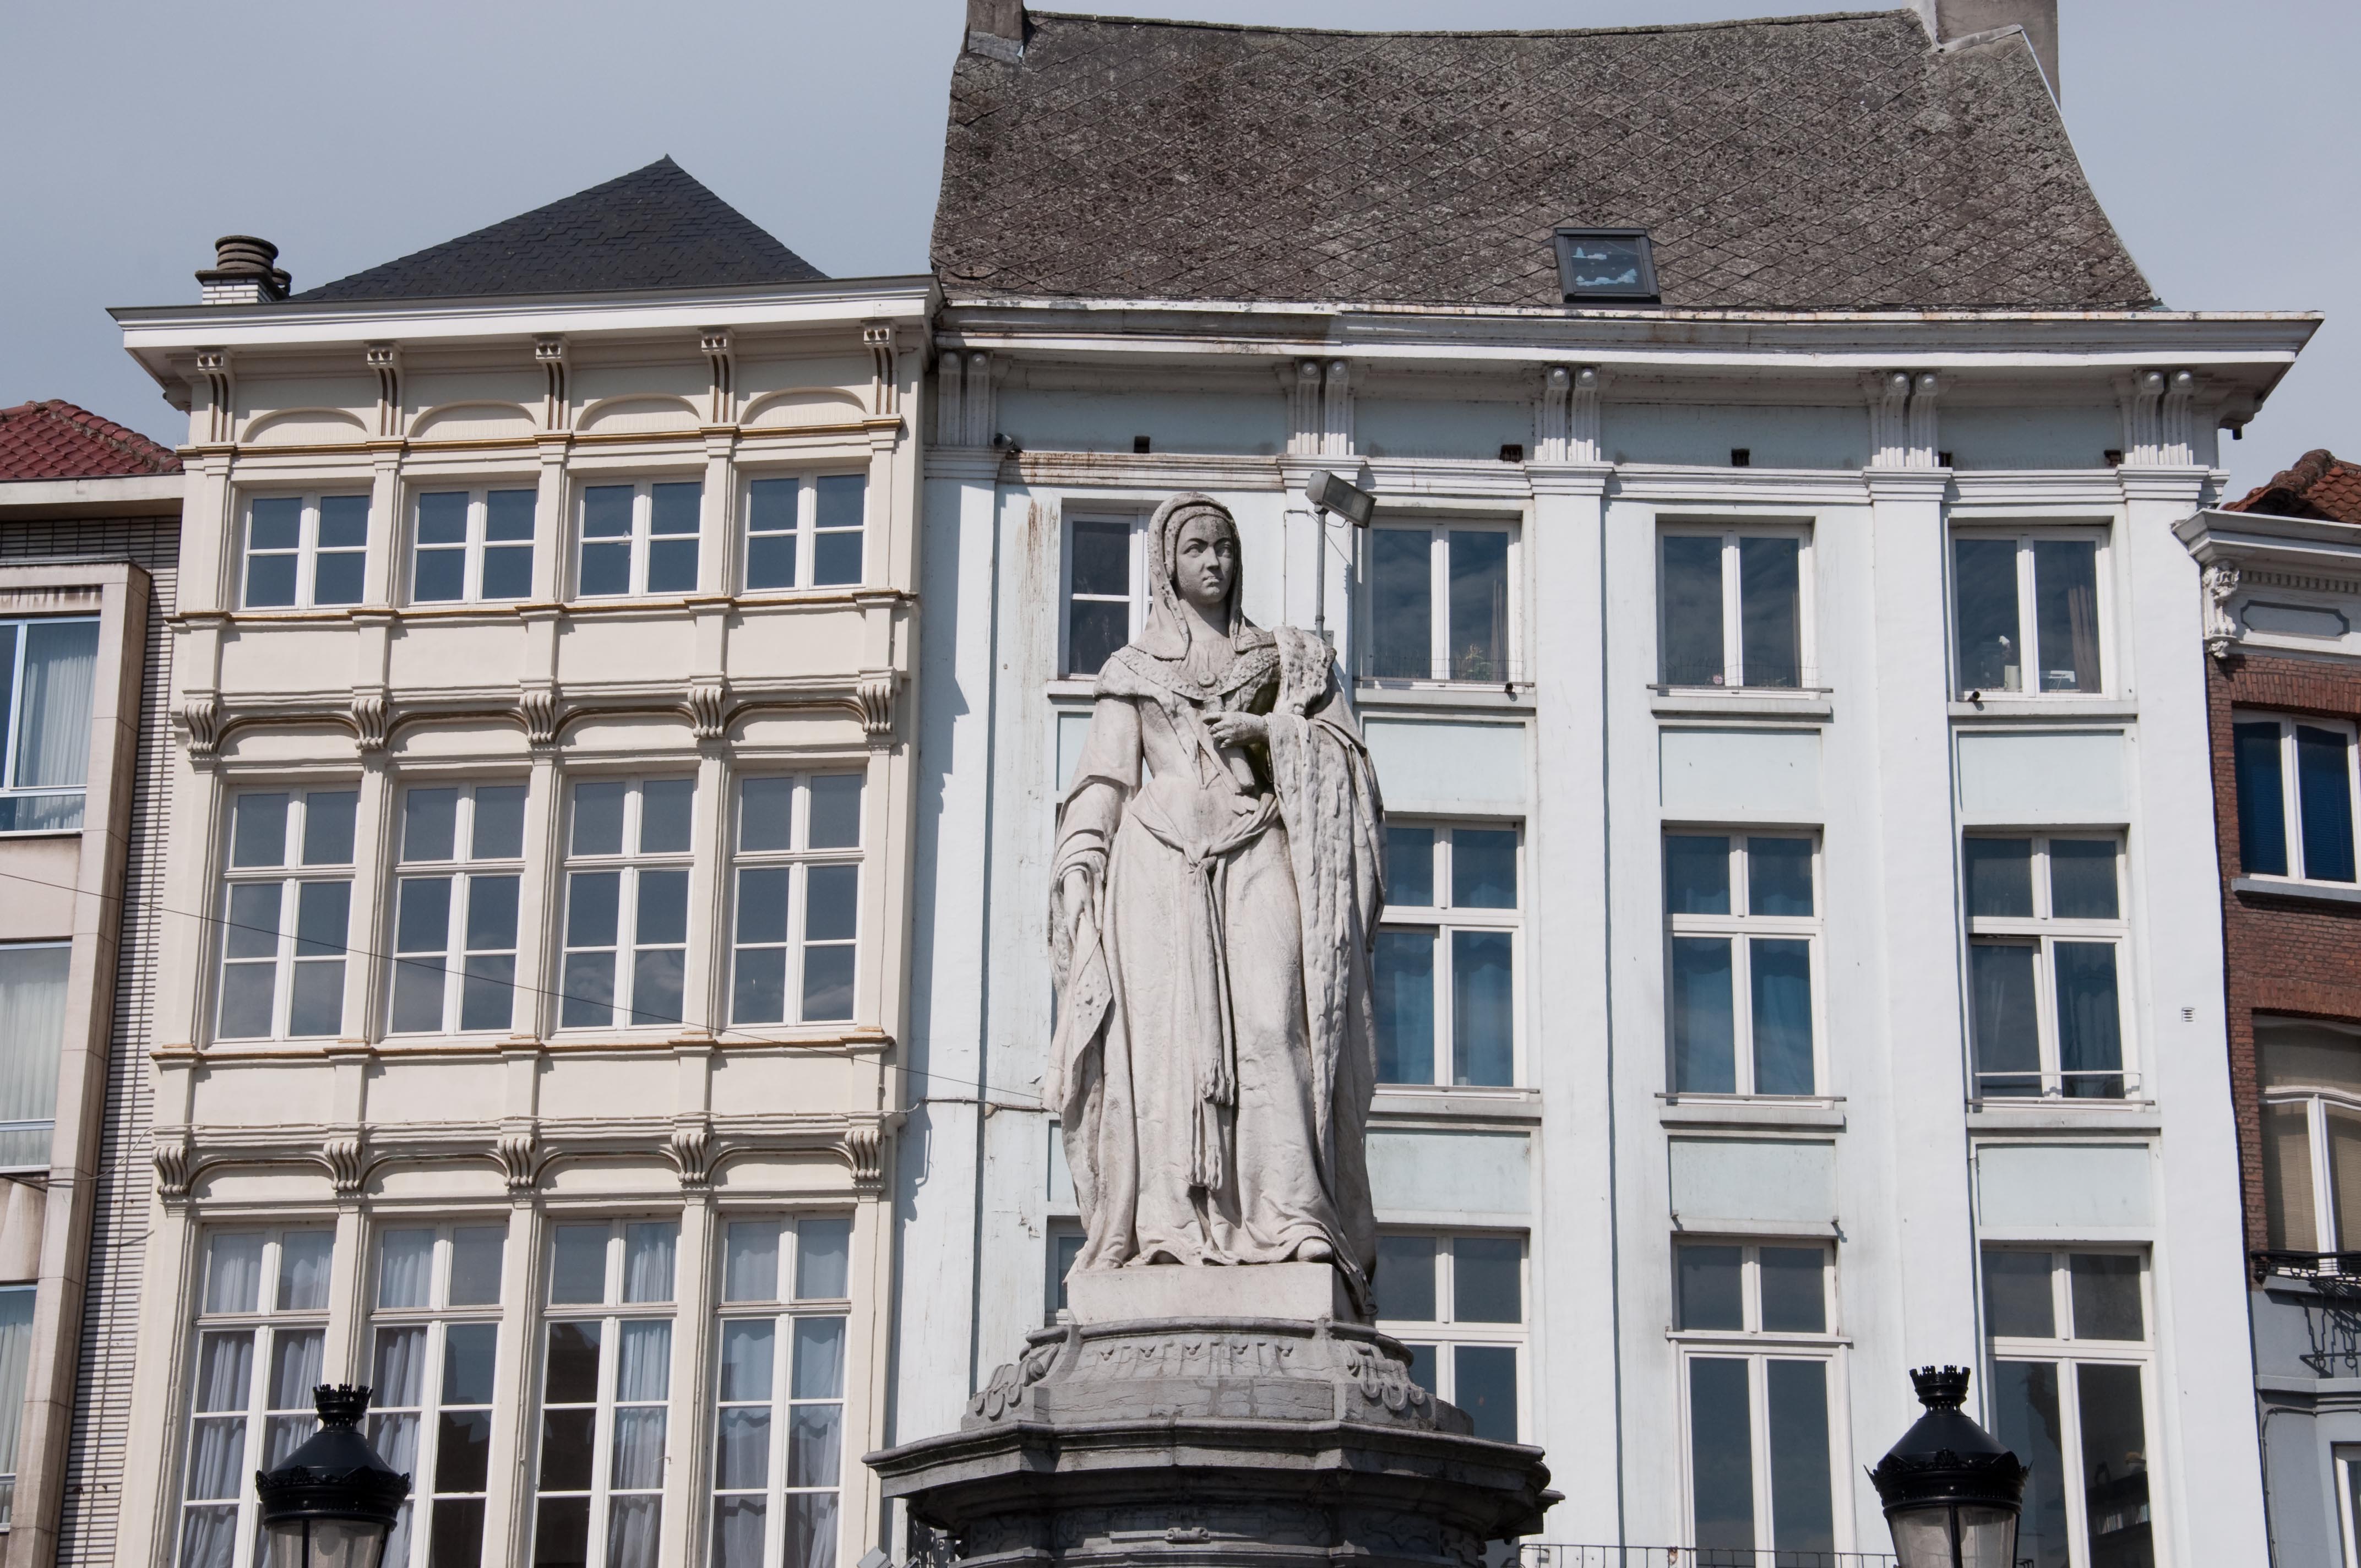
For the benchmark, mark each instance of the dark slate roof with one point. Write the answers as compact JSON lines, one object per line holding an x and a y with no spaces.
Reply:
{"x":54,"y":440}
{"x":2320,"y":485}
{"x":654,"y":228}
{"x":1836,"y":162}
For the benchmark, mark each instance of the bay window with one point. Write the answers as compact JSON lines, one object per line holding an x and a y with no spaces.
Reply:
{"x":2045,"y":953}
{"x":639,"y":538}
{"x":51,"y":668}
{"x":605,"y":1393}
{"x":2311,"y":1077}
{"x":2295,"y":785}
{"x":1445,"y":963}
{"x":627,"y":902}
{"x":797,"y":906}
{"x":438,"y":1323}
{"x":472,"y":545}
{"x":2028,"y":613}
{"x":1457,"y":1303}
{"x":1742,"y":918}
{"x":779,"y":1434}
{"x":462,"y":857}
{"x":805,"y":529}
{"x":1439,"y":601}
{"x":287,"y":912}
{"x":1732,"y":606}
{"x":303,"y":551}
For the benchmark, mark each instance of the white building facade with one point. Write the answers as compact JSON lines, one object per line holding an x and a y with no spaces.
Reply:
{"x":534,"y":939}
{"x":1800,"y":961}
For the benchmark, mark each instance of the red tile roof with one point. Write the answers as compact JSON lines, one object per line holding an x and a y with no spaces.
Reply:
{"x":55,"y":440}
{"x":2320,"y":485}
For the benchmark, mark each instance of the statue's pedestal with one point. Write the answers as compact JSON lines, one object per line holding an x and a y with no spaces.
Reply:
{"x":1184,"y":1435}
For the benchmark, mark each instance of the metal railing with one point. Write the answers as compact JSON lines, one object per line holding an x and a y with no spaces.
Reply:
{"x":2082,"y":1083}
{"x":1559,"y":1554}
{"x":1470,"y":669}
{"x":1693,"y":675}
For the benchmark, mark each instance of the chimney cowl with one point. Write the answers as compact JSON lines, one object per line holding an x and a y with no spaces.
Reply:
{"x":245,"y":272}
{"x":997,"y":29}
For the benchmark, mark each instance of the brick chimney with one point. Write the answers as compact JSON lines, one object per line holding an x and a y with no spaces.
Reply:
{"x":245,"y":272}
{"x":996,"y":27}
{"x":1952,"y":20}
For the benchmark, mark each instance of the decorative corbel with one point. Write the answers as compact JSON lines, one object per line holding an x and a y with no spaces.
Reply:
{"x":385,"y":358}
{"x":976,"y":401}
{"x":713,"y":342}
{"x":1301,"y":380}
{"x":1924,"y":389}
{"x":950,"y":418}
{"x":221,"y":416}
{"x":175,"y":1158}
{"x":199,"y":717}
{"x":2177,"y":436}
{"x":691,"y":1151}
{"x":1336,"y":410}
{"x":2221,"y":582}
{"x":343,"y":1155}
{"x":370,"y":717}
{"x":517,"y":1151}
{"x":706,"y":702}
{"x":549,"y":352}
{"x":863,"y":1148}
{"x":872,"y":697}
{"x":884,"y":390}
{"x":1887,"y":393}
{"x":1583,"y":443}
{"x":2140,"y":396}
{"x":536,"y":708}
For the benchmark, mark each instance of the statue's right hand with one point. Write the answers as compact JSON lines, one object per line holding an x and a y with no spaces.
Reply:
{"x":1073,"y":899}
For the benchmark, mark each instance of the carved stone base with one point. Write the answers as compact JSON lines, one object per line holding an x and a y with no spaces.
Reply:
{"x":1213,"y":1441}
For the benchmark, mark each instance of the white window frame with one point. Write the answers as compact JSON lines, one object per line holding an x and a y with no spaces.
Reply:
{"x":15,"y":1395}
{"x":1757,"y":1347}
{"x":798,"y":862}
{"x":2025,"y":537}
{"x":11,"y":790}
{"x":265,"y":1323}
{"x":2291,"y":792}
{"x":782,"y":1313}
{"x":56,"y":1047}
{"x":437,"y":1318}
{"x":2044,"y":931}
{"x":2348,"y":1479}
{"x":2316,"y":1101}
{"x":307,"y":552}
{"x":2070,"y":1355}
{"x":462,"y":872}
{"x":477,"y":543}
{"x":1442,"y":920}
{"x":1740,"y":929}
{"x":610,"y":1314}
{"x":642,"y":489}
{"x":1445,"y":1333}
{"x":1733,"y":622}
{"x":631,"y":863}
{"x":292,"y":875}
{"x":1135,"y":599}
{"x":1439,"y":670}
{"x":807,"y":531}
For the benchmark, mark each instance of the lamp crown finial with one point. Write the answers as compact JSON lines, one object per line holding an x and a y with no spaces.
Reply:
{"x":341,"y":1403}
{"x":1941,"y":1388}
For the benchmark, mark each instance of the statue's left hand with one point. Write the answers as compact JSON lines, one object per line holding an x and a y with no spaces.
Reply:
{"x":1237,"y":729}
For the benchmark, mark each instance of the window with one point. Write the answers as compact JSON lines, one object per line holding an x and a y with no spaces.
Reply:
{"x":1610,"y":265}
{"x":2070,"y":1368}
{"x":302,"y":551}
{"x":15,"y":1358}
{"x":1102,"y":560}
{"x":52,"y":668}
{"x":438,"y":1346}
{"x":1743,"y":918}
{"x":2348,"y":1501}
{"x":805,"y":529}
{"x":1733,"y":607}
{"x":2037,"y":591}
{"x":798,"y":899}
{"x":639,"y":538}
{"x":2046,"y":937}
{"x":1450,"y":938}
{"x":779,"y":1439}
{"x":472,"y":545}
{"x":1761,"y":1369}
{"x":283,"y":938}
{"x":455,"y":928}
{"x":1439,"y":603}
{"x":1457,"y":1302}
{"x":261,"y":1320}
{"x":1065,"y":1250}
{"x":32,"y":1034}
{"x":2312,"y":1136}
{"x":2295,"y":798}
{"x":606,"y":1391}
{"x":627,"y":902}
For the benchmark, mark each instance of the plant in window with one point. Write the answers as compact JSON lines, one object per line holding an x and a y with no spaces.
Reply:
{"x":2026,"y":612}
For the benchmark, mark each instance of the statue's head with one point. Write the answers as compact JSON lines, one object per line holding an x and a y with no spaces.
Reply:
{"x":1205,"y":559}
{"x":1194,"y":544}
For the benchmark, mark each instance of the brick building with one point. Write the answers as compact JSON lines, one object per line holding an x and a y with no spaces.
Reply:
{"x":2282,"y":605}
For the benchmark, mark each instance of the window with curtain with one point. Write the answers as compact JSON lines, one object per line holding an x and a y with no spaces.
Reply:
{"x":1445,"y":966}
{"x":627,"y":903}
{"x":287,"y":913}
{"x":606,"y":1393}
{"x":32,"y":1032}
{"x":2046,"y":956}
{"x":436,"y":1317}
{"x":261,"y":1325}
{"x":1441,"y":604}
{"x":15,"y":1357}
{"x":1731,"y":606}
{"x":455,"y":928}
{"x":1742,"y":931}
{"x":779,"y":1438}
{"x":2311,"y":1077}
{"x":1102,"y":564}
{"x":1753,"y":1323}
{"x":2028,"y":612}
{"x":2297,"y":797}
{"x":52,"y":667}
{"x":797,"y":906}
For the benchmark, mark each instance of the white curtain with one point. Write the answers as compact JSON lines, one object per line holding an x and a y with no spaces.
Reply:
{"x":647,"y":1261}
{"x":400,"y":1370}
{"x":234,"y":1274}
{"x":631,"y":1531}
{"x":32,"y":1032}
{"x":404,"y":1261}
{"x":644,"y":1374}
{"x":53,"y":733}
{"x":16,"y":1349}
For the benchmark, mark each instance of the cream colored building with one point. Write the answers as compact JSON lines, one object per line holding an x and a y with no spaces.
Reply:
{"x":541,"y":807}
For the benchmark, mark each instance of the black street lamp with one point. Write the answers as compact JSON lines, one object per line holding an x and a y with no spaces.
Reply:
{"x":333,"y":1502}
{"x":1951,"y":1493}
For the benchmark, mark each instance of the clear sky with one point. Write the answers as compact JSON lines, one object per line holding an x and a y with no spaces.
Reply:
{"x":2221,"y":137}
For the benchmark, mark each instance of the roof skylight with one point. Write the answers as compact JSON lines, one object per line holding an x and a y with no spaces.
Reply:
{"x":1606,"y":264}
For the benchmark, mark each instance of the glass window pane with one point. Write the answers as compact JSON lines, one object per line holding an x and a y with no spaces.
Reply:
{"x":477,"y":1254}
{"x":275,"y":523}
{"x":771,"y":543}
{"x":2082,"y":879}
{"x":259,"y":831}
{"x":1096,"y":629}
{"x":1423,"y":1366}
{"x":303,"y":1273}
{"x":1722,"y":1454}
{"x":1794,"y":1301}
{"x":462,"y":1453}
{"x":32,"y":1032}
{"x":1402,"y":604}
{"x":643,"y":1364}
{"x":647,"y":1260}
{"x":2066,"y":602}
{"x":234,"y":1272}
{"x":1693,"y":652}
{"x":823,"y":1259}
{"x":1779,"y":973}
{"x":1779,"y":876}
{"x":269,"y":581}
{"x":1769,"y":613}
{"x":836,"y":811}
{"x":2000,"y":877}
{"x":1484,"y":1384}
{"x":405,"y":1269}
{"x":1102,"y":560}
{"x":498,"y":830}
{"x":840,"y":500}
{"x":508,"y":575}
{"x":828,"y":983}
{"x":2288,"y":1209}
{"x":2106,"y":1295}
{"x":322,"y":918}
{"x":2018,"y":1301}
{"x":1410,"y":867}
{"x":766,"y":810}
{"x":593,"y":900}
{"x":758,"y":986}
{"x":1479,"y":605}
{"x":560,"y":1531}
{"x":667,"y":807}
{"x":468,"y":1355}
{"x":2344,"y":1174}
{"x":750,"y":1264}
{"x":820,"y":1359}
{"x":606,"y":569}
{"x":1984,"y":578}
{"x":430,"y":820}
{"x":2114,"y":1464}
{"x":662,"y":914}
{"x":1484,"y":867}
{"x":771,"y":505}
{"x":400,"y":1370}
{"x":1483,"y":1008}
{"x":2089,"y":1022}
{"x":2308,"y":1055}
{"x":492,"y":912}
{"x":253,"y":920}
{"x":2262,"y":800}
{"x":328,"y":826}
{"x":598,"y":818}
{"x":836,"y":547}
{"x":578,"y":1272}
{"x":1403,"y":983}
{"x":1712,"y":1287}
{"x":344,"y":522}
{"x":507,"y":515}
{"x":811,"y":1529}
{"x":738,"y":1526}
{"x":1802,"y":1502}
{"x":814,"y":1436}
{"x":1705,"y":1056}
{"x":2324,"y":786}
{"x":831,"y":903}
{"x":1405,"y":1279}
{"x":1696,"y":874}
{"x":53,"y":730}
{"x":673,"y":508}
{"x":742,"y":1446}
{"x":422,"y":923}
{"x":1487,"y":1279}
{"x":2007,"y":1030}
{"x":746,"y":1347}
{"x":336,"y":577}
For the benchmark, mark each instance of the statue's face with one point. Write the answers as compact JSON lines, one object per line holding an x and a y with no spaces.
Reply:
{"x":1205,"y":562}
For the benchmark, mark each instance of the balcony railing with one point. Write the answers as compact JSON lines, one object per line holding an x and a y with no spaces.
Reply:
{"x":2336,"y":1273}
{"x":2096,"y":1083}
{"x":1558,"y":1554}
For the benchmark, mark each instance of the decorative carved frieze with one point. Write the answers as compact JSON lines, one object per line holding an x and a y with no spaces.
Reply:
{"x":707,"y":707}
{"x":385,"y":361}
{"x":884,"y":390}
{"x":721,"y":406}
{"x":370,"y":717}
{"x":221,"y":412}
{"x":549,"y":352}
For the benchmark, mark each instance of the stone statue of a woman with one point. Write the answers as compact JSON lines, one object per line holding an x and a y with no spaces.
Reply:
{"x":1216,"y":893}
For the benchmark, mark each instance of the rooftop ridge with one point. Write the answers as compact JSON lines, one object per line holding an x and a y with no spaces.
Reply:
{"x":1798,"y":19}
{"x":53,"y":439}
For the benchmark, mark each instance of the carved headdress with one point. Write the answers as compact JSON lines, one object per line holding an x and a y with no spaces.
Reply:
{"x":1170,"y":622}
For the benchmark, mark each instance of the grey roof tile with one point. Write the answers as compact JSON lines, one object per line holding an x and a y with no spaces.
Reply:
{"x":1835,"y":162}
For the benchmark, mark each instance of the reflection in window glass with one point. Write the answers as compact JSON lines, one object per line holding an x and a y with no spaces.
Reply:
{"x":1098,"y":612}
{"x":1444,"y":964}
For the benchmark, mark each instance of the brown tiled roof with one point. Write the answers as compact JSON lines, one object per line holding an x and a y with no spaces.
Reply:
{"x":2320,"y":485}
{"x":1834,"y":162}
{"x":55,"y":440}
